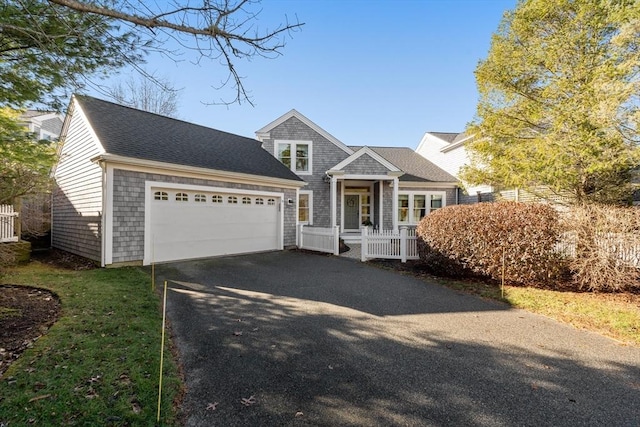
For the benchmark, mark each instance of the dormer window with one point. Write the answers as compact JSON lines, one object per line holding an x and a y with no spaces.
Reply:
{"x":296,"y":155}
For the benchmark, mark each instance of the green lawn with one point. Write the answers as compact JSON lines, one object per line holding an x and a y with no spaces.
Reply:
{"x":99,"y":363}
{"x":614,"y":315}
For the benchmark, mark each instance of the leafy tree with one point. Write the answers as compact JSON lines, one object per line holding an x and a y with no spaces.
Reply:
{"x":559,"y":104}
{"x":25,"y":163}
{"x":151,"y":94}
{"x":47,"y":45}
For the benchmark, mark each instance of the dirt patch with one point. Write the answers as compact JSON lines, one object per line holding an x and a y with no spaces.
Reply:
{"x":25,"y":314}
{"x":62,"y":259}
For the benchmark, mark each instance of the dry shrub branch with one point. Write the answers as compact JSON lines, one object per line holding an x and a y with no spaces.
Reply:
{"x":604,"y":244}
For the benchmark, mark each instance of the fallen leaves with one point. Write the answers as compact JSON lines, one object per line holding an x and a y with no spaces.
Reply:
{"x":248,"y":401}
{"x":35,"y":399}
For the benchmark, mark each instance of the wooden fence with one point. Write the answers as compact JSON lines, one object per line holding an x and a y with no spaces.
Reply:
{"x":8,"y":224}
{"x":389,"y":244}
{"x":319,"y":239}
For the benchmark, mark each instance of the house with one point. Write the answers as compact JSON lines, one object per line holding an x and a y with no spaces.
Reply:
{"x":448,"y":151}
{"x":348,"y":186}
{"x":43,"y":124}
{"x":132,"y":187}
{"x":35,"y":209}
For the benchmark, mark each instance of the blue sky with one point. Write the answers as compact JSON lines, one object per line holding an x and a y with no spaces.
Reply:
{"x":377,"y":73}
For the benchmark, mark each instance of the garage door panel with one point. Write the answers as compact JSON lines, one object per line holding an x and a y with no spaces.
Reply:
{"x":183,"y":230}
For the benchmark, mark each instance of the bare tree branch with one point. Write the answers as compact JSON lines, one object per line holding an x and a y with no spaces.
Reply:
{"x":223,"y":30}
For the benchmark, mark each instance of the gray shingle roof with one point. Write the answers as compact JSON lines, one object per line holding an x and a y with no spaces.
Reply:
{"x":459,"y":137}
{"x":414,"y":166}
{"x":450,"y":137}
{"x":138,"y":134}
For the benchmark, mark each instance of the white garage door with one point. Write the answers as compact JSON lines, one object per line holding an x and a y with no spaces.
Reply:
{"x":188,"y":224}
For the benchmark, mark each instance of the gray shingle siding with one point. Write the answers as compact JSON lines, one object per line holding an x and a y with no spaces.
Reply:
{"x":129,"y":209}
{"x":53,"y":126}
{"x":365,"y":165}
{"x":325,"y":155}
{"x":387,"y":201}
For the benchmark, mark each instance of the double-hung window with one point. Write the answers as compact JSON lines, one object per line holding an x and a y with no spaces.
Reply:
{"x":296,"y":155}
{"x":414,"y":205}
{"x":305,"y":207}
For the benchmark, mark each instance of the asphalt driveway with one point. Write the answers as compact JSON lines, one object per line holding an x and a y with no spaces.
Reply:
{"x":290,"y":338}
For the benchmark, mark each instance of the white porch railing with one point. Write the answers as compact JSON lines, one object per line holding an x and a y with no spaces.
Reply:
{"x":387,"y":244}
{"x":319,"y":239}
{"x":7,"y":224}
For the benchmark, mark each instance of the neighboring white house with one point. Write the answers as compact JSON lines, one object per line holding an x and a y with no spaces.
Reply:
{"x":447,"y":150}
{"x":44,"y":124}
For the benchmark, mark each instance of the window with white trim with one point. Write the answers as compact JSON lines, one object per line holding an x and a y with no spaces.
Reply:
{"x":271,"y":202}
{"x":296,"y":155}
{"x":259,"y":201}
{"x":160,"y":195}
{"x":182,"y":197}
{"x":305,"y":207}
{"x":200,"y":198}
{"x":246,"y":200}
{"x":232,"y":200}
{"x":437,"y":201}
{"x":414,"y":205}
{"x":216,"y":198}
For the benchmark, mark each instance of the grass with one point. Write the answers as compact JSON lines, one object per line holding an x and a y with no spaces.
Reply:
{"x":99,"y":363}
{"x":6,"y":312}
{"x":614,"y":315}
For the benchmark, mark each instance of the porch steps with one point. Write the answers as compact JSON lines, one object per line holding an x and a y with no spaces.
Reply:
{"x":351,"y":237}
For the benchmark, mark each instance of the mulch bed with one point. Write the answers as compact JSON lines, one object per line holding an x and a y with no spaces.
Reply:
{"x":26,"y":312}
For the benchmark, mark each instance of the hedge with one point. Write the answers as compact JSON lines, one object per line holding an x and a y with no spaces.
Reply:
{"x":463,"y":240}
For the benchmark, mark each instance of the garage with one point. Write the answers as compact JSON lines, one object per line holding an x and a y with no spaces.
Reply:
{"x":195,"y":222}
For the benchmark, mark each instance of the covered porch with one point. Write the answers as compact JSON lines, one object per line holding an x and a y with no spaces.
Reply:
{"x":358,"y":201}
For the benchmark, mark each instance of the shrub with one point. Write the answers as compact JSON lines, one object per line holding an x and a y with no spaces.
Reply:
{"x":604,"y":244}
{"x":472,"y":239}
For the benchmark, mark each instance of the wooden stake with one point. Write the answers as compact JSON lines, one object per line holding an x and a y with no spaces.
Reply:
{"x":502,"y":287}
{"x":164,"y":316}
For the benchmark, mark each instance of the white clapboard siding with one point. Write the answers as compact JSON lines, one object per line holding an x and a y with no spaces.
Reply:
{"x":77,"y":197}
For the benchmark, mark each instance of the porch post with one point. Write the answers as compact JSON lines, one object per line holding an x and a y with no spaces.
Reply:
{"x":395,"y":204}
{"x":381,"y":205}
{"x":333,"y":203}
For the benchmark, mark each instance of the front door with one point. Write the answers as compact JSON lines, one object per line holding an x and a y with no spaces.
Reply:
{"x":352,"y":212}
